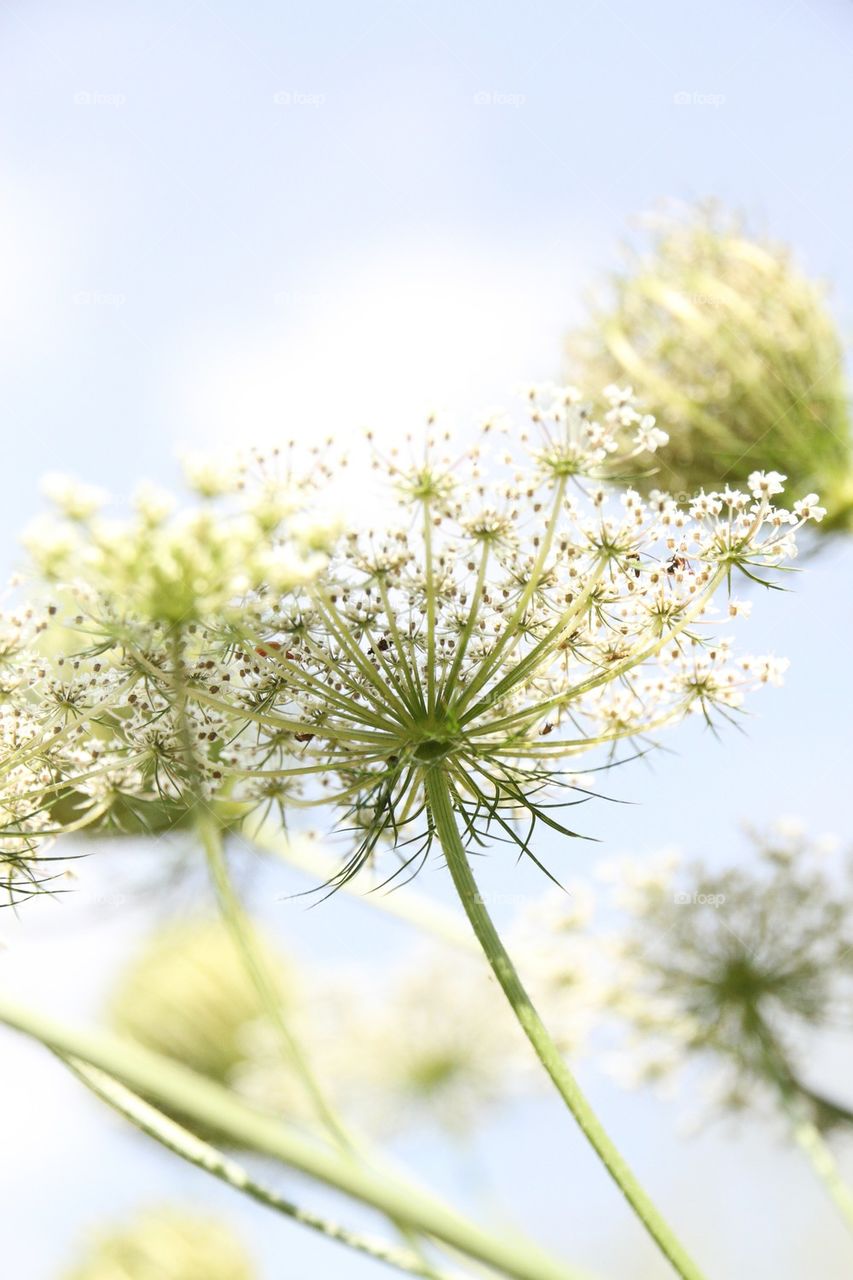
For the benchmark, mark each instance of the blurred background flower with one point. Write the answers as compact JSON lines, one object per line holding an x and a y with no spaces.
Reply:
{"x":734,"y":349}
{"x":164,"y":1244}
{"x":743,"y":966}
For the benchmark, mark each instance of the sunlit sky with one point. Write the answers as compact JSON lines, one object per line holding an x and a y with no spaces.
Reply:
{"x":222,"y":223}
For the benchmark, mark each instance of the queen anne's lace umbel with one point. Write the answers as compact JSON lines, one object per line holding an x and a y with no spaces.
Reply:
{"x":530,"y":606}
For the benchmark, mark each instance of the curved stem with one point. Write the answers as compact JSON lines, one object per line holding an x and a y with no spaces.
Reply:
{"x":809,"y":1140}
{"x":210,"y":1106}
{"x":441,"y":808}
{"x":826,"y":1112}
{"x":801,"y":1105}
{"x":204,"y":1156}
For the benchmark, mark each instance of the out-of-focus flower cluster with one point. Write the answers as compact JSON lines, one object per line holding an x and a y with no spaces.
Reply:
{"x":433,"y":1044}
{"x":429,"y":1042}
{"x":167,"y":1244}
{"x":91,"y":726}
{"x":673,"y":963}
{"x":734,"y":349}
{"x":740,"y":967}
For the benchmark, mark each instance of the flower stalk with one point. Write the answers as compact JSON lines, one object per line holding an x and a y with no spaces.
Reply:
{"x":441,"y":808}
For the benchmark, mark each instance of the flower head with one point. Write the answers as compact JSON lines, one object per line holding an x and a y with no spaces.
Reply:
{"x":733,"y":348}
{"x":523,"y":612}
{"x":90,"y":734}
{"x":738,"y":966}
{"x":166,"y":1243}
{"x":431,"y":1046}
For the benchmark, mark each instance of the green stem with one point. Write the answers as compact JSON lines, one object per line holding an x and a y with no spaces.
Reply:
{"x":195,"y":1151}
{"x":441,"y":808}
{"x":241,"y":935}
{"x":211,"y":1107}
{"x":800,"y":1105}
{"x":430,"y":603}
{"x":809,"y":1140}
{"x":259,"y":974}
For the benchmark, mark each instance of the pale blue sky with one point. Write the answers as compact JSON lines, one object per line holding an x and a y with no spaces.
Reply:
{"x":221,"y":222}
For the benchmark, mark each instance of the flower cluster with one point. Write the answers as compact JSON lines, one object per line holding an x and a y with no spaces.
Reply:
{"x":737,"y":966}
{"x":525,"y":610}
{"x":187,"y":995}
{"x":733,"y":347}
{"x":91,"y":729}
{"x":434,"y":1042}
{"x":433,"y":1047}
{"x":166,"y":1243}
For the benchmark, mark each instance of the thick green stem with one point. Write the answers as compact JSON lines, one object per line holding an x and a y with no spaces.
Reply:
{"x":441,"y":808}
{"x":211,"y":1107}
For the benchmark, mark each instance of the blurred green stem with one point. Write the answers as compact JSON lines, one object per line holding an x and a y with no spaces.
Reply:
{"x":211,"y":1107}
{"x":195,"y":1151}
{"x":240,"y":930}
{"x":811,"y":1142}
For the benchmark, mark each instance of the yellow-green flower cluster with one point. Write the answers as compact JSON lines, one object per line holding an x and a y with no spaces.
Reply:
{"x":89,"y":735}
{"x":165,"y":1244}
{"x":187,"y":995}
{"x":733,"y":347}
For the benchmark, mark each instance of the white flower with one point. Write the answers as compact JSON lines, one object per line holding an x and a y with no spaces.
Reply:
{"x":807,"y":508}
{"x":764,"y":484}
{"x":515,"y":620}
{"x":740,"y":608}
{"x":76,"y":501}
{"x":648,"y":436}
